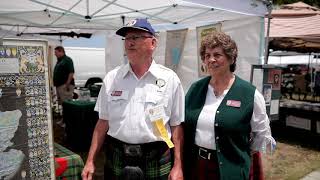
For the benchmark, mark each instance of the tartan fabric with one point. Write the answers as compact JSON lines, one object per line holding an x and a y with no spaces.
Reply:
{"x":154,"y":168}
{"x":74,"y":163}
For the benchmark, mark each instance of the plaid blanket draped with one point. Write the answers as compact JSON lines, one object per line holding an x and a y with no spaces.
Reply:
{"x":68,"y":164}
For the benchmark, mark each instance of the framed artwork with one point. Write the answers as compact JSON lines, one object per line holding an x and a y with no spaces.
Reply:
{"x":267,"y":93}
{"x":274,"y":77}
{"x":202,"y":31}
{"x":174,"y":47}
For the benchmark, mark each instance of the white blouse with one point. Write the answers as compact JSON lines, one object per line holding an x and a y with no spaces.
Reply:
{"x":260,"y":128}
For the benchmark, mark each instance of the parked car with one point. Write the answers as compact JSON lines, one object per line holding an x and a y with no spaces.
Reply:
{"x":89,"y":65}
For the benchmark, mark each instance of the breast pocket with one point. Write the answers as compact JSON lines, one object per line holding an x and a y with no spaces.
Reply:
{"x":153,"y":99}
{"x":117,"y":106}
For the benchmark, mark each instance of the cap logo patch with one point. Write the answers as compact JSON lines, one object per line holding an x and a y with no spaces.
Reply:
{"x":131,"y":23}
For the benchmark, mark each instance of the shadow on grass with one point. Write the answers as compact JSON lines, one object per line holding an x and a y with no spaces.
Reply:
{"x":295,"y":136}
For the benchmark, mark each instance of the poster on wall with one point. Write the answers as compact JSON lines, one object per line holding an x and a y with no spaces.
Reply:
{"x":267,"y":93}
{"x":274,"y":77}
{"x":174,"y":47}
{"x":202,"y":31}
{"x":25,"y":113}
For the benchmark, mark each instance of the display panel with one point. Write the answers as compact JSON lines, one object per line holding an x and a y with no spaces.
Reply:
{"x":26,"y":143}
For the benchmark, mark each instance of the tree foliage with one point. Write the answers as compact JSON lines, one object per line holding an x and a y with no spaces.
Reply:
{"x":315,"y":3}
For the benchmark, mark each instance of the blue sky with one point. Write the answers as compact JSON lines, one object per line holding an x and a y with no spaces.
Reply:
{"x":97,"y":41}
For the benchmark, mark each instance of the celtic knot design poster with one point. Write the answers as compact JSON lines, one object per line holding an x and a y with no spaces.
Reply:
{"x":25,"y":115}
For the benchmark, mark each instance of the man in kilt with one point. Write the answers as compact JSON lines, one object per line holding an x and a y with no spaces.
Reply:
{"x":141,"y":108}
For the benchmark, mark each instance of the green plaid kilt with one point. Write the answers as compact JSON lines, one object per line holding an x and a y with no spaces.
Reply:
{"x":154,"y":168}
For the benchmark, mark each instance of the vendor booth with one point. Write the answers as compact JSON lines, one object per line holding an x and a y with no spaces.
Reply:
{"x":295,"y":28}
{"x":243,"y":20}
{"x":179,"y":24}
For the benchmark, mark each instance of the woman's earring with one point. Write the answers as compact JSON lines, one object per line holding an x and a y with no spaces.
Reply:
{"x":204,"y":68}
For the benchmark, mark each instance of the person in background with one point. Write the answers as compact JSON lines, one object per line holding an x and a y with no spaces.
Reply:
{"x":225,"y":117}
{"x":141,"y":107}
{"x":63,"y":75}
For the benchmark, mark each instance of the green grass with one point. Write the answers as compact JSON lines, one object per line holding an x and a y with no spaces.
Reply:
{"x":297,"y":153}
{"x":290,"y":162}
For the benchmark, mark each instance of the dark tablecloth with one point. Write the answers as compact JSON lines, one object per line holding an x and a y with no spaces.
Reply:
{"x":80,"y":119}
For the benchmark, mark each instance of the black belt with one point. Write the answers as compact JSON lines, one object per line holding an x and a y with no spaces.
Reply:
{"x":205,"y":153}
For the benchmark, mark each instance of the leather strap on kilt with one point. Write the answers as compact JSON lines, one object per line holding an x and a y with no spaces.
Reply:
{"x":154,"y":160}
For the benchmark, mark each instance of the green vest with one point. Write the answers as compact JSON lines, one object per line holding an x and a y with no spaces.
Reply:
{"x":232,"y":127}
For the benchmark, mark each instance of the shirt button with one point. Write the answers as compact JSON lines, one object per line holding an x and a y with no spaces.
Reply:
{"x":216,"y":124}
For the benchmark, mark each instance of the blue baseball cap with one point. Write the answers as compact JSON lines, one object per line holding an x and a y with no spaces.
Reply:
{"x":140,"y":24}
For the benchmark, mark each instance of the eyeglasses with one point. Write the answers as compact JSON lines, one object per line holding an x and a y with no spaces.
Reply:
{"x":135,"y":38}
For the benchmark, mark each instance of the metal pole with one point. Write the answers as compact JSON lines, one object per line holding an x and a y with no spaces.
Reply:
{"x":266,"y":53}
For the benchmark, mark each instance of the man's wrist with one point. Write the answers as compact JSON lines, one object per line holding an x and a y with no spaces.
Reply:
{"x":177,"y":163}
{"x":90,"y":161}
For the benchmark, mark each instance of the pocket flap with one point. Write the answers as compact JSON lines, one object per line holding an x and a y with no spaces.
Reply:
{"x":157,"y":99}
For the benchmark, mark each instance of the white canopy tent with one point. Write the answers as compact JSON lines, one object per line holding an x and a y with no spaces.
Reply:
{"x":242,"y":19}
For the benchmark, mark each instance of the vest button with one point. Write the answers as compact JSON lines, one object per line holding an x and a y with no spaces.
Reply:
{"x":216,"y":124}
{"x":218,"y":112}
{"x":217,"y":137}
{"x":220,"y":163}
{"x":218,"y":150}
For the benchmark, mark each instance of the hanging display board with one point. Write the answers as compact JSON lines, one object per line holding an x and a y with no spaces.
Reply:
{"x":26,"y":142}
{"x":267,"y":79}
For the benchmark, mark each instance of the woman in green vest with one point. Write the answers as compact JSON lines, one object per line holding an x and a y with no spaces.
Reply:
{"x":225,"y":120}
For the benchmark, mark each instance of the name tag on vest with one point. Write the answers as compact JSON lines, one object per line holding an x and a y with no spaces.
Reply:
{"x":116,"y":93}
{"x":233,"y":103}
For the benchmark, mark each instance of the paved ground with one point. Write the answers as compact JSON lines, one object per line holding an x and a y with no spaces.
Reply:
{"x":315,"y":175}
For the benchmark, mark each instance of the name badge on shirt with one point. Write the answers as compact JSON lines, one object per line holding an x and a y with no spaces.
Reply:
{"x":116,"y":93}
{"x":233,"y":103}
{"x":156,"y":115}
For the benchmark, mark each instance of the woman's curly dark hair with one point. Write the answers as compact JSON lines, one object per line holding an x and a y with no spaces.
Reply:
{"x":220,"y":39}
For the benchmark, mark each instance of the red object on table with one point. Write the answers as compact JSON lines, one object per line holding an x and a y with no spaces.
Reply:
{"x":63,"y":164}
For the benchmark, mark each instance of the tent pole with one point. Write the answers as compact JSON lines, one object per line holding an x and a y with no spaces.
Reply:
{"x":65,"y":12}
{"x":123,"y":18}
{"x":87,"y":3}
{"x":105,"y":6}
{"x":204,"y":12}
{"x":137,"y":11}
{"x":266,"y":53}
{"x":48,"y":5}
